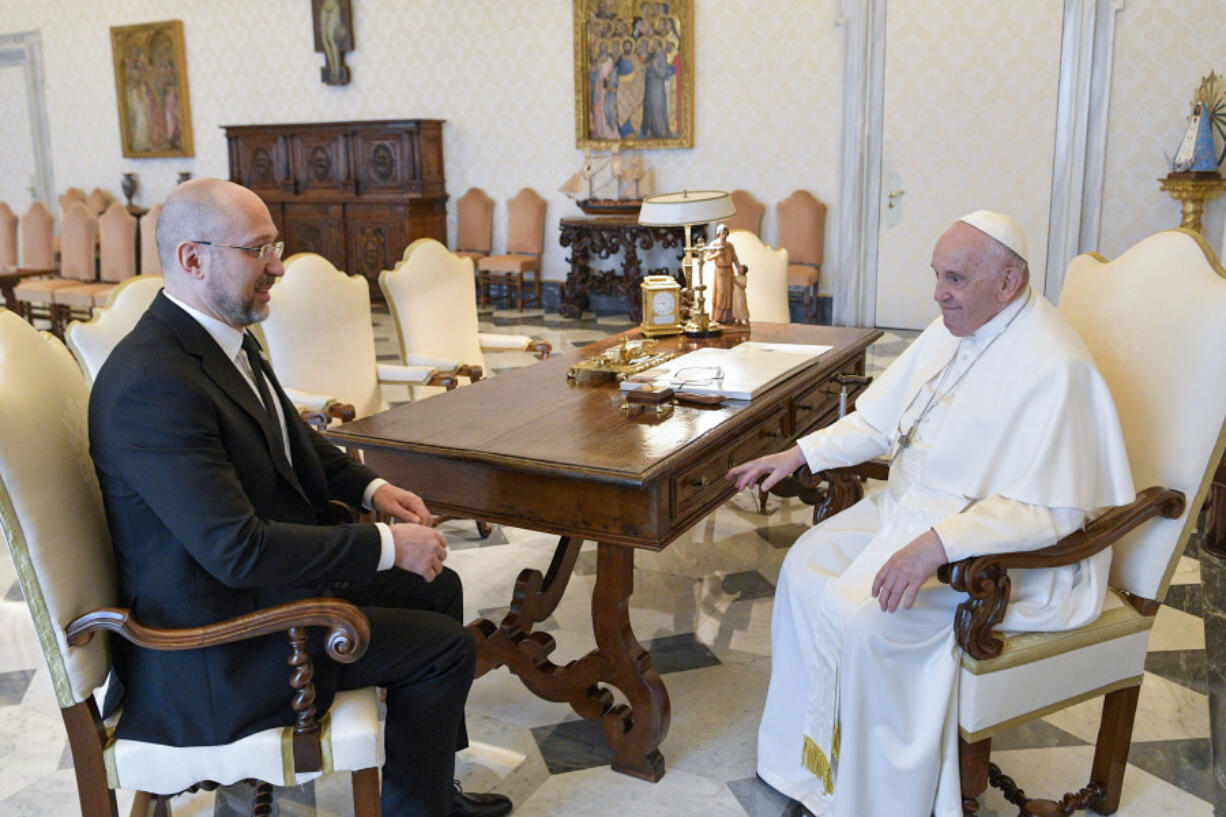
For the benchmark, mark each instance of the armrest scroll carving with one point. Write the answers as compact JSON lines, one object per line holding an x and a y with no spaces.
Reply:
{"x":985,"y":579}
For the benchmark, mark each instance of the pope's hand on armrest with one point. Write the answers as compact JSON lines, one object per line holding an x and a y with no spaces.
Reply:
{"x":395,"y":373}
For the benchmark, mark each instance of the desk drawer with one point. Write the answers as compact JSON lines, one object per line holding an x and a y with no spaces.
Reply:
{"x":695,"y":484}
{"x":815,"y":402}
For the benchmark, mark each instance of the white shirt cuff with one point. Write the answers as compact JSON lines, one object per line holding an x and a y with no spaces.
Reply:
{"x":369,"y":493}
{"x":388,"y":557}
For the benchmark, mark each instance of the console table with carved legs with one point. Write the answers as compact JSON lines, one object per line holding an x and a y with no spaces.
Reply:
{"x":592,"y":237}
{"x":531,"y":449}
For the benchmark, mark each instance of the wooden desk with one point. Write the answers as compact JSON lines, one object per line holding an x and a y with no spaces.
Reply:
{"x":531,"y":450}
{"x":10,"y":277}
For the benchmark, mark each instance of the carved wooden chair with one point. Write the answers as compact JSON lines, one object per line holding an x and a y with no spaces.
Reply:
{"x":8,"y":236}
{"x":525,"y":243}
{"x":91,"y":341}
{"x":474,"y":225}
{"x":78,"y":239}
{"x":749,"y":212}
{"x":802,"y":232}
{"x":430,"y":295}
{"x":321,"y":342}
{"x":1152,"y":320}
{"x":38,"y":238}
{"x":150,"y":263}
{"x":116,"y":263}
{"x":67,"y":573}
{"x":70,"y":197}
{"x":98,"y":200}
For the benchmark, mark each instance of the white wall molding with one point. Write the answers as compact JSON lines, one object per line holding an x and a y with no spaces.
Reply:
{"x":1086,"y":51}
{"x":863,"y":23}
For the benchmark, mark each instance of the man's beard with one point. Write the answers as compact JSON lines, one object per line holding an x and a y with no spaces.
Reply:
{"x":239,"y":311}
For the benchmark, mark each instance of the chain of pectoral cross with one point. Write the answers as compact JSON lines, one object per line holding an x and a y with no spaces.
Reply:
{"x":905,"y":438}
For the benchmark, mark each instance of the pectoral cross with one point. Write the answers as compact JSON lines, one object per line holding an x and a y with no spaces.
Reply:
{"x":904,"y":440}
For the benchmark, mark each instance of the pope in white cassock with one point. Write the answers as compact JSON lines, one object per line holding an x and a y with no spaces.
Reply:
{"x":1002,"y":436}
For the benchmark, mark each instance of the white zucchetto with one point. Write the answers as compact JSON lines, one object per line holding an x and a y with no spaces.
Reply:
{"x":1001,"y":227}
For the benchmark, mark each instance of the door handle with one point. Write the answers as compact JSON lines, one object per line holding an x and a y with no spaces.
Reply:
{"x":893,"y":194}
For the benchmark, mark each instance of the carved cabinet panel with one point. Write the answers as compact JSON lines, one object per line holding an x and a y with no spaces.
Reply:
{"x":376,"y":235}
{"x":355,"y":192}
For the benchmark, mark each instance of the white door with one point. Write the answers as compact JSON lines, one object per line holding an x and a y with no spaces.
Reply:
{"x":17,"y":137}
{"x":969,"y":123}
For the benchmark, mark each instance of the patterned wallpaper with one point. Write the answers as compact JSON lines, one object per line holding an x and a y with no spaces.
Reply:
{"x":500,"y":73}
{"x":1162,"y":50}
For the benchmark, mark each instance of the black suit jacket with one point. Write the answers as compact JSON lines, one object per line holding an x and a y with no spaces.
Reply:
{"x":209,"y":520}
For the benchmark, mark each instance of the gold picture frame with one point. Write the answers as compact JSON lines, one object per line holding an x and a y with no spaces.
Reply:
{"x":155,"y":117}
{"x":634,"y":74}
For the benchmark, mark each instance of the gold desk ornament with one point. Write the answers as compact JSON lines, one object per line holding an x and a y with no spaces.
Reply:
{"x":661,"y":305}
{"x":619,"y":362}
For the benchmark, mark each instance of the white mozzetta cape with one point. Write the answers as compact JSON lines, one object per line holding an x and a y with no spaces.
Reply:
{"x":1032,"y":420}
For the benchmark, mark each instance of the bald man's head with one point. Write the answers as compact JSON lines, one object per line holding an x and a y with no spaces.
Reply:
{"x":202,"y":210}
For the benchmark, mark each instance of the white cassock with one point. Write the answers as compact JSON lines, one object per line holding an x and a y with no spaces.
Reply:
{"x":861,"y":714}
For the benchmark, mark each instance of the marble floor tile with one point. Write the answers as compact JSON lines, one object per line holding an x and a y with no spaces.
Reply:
{"x":1166,"y":711}
{"x":1050,"y":772}
{"x":1185,"y":597}
{"x":1035,"y":734}
{"x":1176,"y":630}
{"x":13,"y":686}
{"x":1185,"y":667}
{"x":760,"y":800}
{"x":601,"y":792}
{"x":715,"y":728}
{"x":1187,"y":571}
{"x":1187,"y":764}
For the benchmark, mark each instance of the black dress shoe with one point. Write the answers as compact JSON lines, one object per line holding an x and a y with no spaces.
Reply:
{"x":465,"y":804}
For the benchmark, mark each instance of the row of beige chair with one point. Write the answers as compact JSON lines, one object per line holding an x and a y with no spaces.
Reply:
{"x":525,"y":241}
{"x":85,"y":282}
{"x":96,"y":202}
{"x":801,"y":231}
{"x":1168,"y":385}
{"x":37,"y":233}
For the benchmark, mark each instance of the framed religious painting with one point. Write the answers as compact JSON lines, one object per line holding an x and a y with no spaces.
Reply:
{"x":155,"y":117}
{"x":634,"y":74}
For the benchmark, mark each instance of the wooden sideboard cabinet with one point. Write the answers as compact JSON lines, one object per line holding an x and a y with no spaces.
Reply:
{"x":357,"y":193}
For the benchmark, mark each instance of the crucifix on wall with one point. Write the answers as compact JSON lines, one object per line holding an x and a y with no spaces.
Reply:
{"x":333,"y":20}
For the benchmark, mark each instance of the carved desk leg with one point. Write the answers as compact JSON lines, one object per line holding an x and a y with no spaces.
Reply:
{"x":635,"y":731}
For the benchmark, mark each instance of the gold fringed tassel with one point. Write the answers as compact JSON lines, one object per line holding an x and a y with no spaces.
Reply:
{"x":834,"y":744}
{"x":814,"y":760}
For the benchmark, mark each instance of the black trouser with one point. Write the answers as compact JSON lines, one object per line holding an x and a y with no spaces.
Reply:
{"x":421,"y":653}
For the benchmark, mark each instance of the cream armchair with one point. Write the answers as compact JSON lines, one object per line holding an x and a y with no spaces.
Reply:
{"x":67,"y":573}
{"x":430,"y":293}
{"x":321,"y":342}
{"x":92,"y":341}
{"x":1152,"y":320}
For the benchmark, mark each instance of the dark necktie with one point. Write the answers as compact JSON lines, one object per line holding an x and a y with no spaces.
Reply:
{"x":252,"y":348}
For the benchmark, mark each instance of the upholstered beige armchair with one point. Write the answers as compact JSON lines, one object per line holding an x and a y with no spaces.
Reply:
{"x":430,"y":294}
{"x":1152,"y":319}
{"x":67,"y":573}
{"x":92,"y":341}
{"x":749,"y":213}
{"x":474,"y":224}
{"x":8,"y":236}
{"x":802,"y":232}
{"x":321,"y":342}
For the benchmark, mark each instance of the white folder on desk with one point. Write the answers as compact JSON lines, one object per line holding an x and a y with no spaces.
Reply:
{"x":745,"y":371}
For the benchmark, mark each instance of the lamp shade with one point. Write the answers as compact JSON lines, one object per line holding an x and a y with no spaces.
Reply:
{"x":689,"y":207}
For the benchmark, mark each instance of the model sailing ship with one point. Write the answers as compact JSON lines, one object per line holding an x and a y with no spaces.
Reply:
{"x":610,"y":184}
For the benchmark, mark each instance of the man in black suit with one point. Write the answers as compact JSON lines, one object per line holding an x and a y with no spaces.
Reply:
{"x":217,"y":499}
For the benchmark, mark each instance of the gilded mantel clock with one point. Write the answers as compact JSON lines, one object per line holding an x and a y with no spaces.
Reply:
{"x":661,"y":306}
